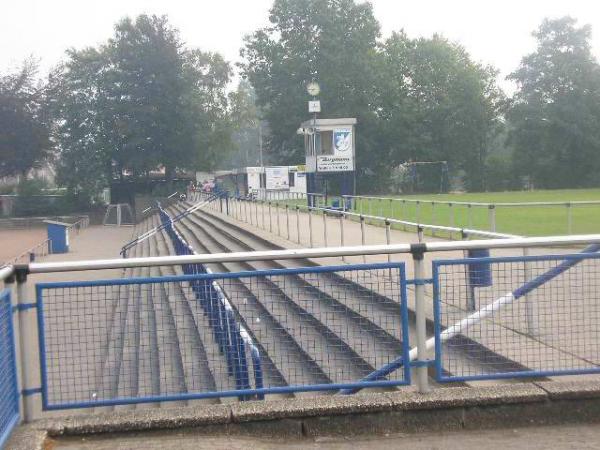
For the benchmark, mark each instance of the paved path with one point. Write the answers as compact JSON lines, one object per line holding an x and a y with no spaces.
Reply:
{"x":586,"y":436}
{"x":95,"y":242}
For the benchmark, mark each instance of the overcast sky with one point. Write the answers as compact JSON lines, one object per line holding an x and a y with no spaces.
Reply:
{"x":497,"y":33}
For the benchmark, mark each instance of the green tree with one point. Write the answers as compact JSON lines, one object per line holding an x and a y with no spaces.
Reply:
{"x":83,"y":137}
{"x":331,"y":41}
{"x":245,"y":118}
{"x":137,"y":102}
{"x":24,"y":131}
{"x":439,"y":105}
{"x":555,"y":113}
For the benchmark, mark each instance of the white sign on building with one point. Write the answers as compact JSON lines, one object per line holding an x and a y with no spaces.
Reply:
{"x":277,"y":178}
{"x":329,"y":145}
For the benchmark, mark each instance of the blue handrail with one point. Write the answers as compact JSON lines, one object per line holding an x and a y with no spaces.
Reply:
{"x":231,"y":337}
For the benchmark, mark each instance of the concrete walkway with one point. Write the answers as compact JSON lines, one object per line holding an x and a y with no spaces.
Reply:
{"x":580,"y":437}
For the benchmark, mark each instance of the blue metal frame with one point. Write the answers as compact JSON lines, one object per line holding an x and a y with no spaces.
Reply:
{"x":243,"y":390}
{"x":568,"y":260}
{"x":13,"y":421}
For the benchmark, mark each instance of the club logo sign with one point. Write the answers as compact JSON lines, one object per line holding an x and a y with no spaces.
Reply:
{"x":342,"y":141}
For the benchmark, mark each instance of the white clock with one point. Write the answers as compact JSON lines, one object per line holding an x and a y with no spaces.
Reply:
{"x":313,"y":88}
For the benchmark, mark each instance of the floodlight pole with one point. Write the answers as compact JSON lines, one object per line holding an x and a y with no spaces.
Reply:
{"x":260,"y":143}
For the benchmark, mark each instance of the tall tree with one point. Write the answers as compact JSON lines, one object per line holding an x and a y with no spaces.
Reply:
{"x":24,"y":131}
{"x":439,"y":105}
{"x":555,"y":114}
{"x":246,"y":120}
{"x":331,"y":41}
{"x":139,"y":101}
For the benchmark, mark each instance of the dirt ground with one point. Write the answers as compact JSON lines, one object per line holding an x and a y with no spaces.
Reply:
{"x":15,"y":242}
{"x":584,"y":436}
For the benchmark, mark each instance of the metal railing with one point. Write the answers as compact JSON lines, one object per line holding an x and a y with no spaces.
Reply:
{"x":278,"y":195}
{"x":313,"y":328}
{"x":9,"y":391}
{"x":232,"y":338}
{"x":284,"y":220}
{"x":43,"y":248}
{"x":148,"y":234}
{"x":397,"y":205}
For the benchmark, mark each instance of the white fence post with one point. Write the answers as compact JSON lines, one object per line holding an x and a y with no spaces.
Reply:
{"x":492,"y":215}
{"x":469,"y":216}
{"x":342,"y":217}
{"x":421,"y":321}
{"x":298,"y":224}
{"x":324,"y":229}
{"x":388,"y":236}
{"x":433,"y":217}
{"x":278,"y":221}
{"x":529,"y":306}
{"x":287,"y":220}
{"x":310,"y":230}
{"x":29,"y":349}
{"x":362,"y":234}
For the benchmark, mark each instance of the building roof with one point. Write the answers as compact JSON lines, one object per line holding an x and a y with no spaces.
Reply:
{"x":345,"y":121}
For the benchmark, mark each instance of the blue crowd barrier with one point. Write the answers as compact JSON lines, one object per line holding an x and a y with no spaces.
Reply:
{"x":9,"y":391}
{"x":228,"y":332}
{"x":539,"y":318}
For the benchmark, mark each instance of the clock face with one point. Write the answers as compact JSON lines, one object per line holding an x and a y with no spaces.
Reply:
{"x":313,"y":89}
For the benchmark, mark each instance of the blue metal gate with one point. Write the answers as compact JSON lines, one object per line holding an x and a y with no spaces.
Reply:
{"x":203,"y":335}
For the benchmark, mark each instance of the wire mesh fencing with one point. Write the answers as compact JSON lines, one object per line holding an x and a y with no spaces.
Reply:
{"x":214,"y":335}
{"x":518,"y":316}
{"x":9,"y":391}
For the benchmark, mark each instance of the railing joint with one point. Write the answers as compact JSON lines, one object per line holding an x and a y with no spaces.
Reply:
{"x":419,"y":281}
{"x":422,"y":363}
{"x":30,"y":392}
{"x":24,"y":306}
{"x":418,"y":250}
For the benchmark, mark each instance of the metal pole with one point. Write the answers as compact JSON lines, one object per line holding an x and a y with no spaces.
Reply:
{"x":421,"y":323}
{"x":324,"y":229}
{"x":298,"y":224}
{"x":29,"y":349}
{"x":14,"y":301}
{"x":310,"y":231}
{"x":278,"y":222}
{"x":342,"y":217}
{"x":420,"y":233}
{"x":433,"y":218}
{"x":264,"y":219}
{"x":569,"y":219}
{"x":362,"y":234}
{"x":529,"y":306}
{"x":255,"y":211}
{"x":492,"y":215}
{"x":388,"y":236}
{"x":270,"y":219}
{"x":470,"y":215}
{"x":287,"y":220}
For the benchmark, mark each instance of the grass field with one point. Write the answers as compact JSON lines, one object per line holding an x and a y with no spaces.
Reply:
{"x":526,"y":221}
